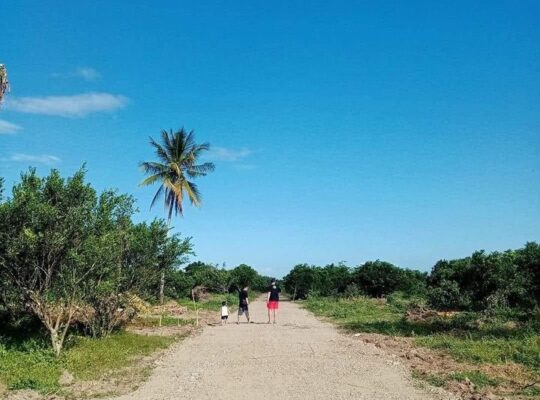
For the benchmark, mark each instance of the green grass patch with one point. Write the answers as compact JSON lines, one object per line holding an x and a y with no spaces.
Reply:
{"x":525,"y":351}
{"x":30,"y":364}
{"x":532,"y":391}
{"x":479,"y":379}
{"x":435,"y":380}
{"x":34,"y":368}
{"x":470,"y":337}
{"x":89,"y":358}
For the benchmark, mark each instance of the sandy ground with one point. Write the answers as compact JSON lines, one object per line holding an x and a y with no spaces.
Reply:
{"x":298,"y":358}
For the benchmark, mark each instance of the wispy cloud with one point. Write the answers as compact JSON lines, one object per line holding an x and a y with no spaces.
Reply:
{"x":78,"y":105}
{"x":245,"y":167}
{"x":87,"y":73}
{"x":225,"y":154}
{"x":39,"y":159}
{"x":7,"y":127}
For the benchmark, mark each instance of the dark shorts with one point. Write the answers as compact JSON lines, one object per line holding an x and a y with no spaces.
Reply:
{"x":243,"y":309}
{"x":224,"y":316}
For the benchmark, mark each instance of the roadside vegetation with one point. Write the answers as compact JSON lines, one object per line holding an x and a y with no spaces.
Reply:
{"x":482,"y":311}
{"x":79,"y":279}
{"x":78,"y":276}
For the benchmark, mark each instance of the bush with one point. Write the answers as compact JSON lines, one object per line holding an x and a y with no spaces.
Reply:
{"x":378,"y":278}
{"x":488,"y":281}
{"x":447,"y":296}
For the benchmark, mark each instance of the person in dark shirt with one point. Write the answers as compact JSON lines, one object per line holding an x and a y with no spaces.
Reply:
{"x":272,"y":300}
{"x":243,"y":304}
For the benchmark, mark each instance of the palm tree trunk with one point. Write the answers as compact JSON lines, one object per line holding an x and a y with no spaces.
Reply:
{"x":162,"y":287}
{"x":162,"y":277}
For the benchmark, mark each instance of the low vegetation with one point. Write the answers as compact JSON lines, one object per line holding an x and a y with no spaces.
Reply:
{"x":481,"y":310}
{"x":76,"y":271}
{"x":31,"y":364}
{"x":472,"y":338}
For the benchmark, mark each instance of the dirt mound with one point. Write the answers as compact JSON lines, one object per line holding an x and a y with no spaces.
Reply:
{"x":424,"y":314}
{"x":169,"y":308}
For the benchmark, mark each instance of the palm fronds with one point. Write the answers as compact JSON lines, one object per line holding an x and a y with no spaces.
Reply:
{"x":177,"y":157}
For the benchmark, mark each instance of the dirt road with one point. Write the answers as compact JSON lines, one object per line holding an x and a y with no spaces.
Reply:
{"x":298,"y":358}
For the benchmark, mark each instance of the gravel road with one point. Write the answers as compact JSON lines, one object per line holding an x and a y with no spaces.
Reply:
{"x":298,"y":358}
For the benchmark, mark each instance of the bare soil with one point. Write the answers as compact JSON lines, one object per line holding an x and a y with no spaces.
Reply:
{"x":427,"y":363}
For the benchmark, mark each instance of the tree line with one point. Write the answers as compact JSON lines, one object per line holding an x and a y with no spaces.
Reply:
{"x":71,"y":257}
{"x":509,"y":279}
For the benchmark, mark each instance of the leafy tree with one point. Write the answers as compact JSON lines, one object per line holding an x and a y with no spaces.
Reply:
{"x":498,"y":279}
{"x":44,"y":230}
{"x":448,"y":296}
{"x":209,"y":276}
{"x":528,"y":261}
{"x":242,"y":276}
{"x":331,"y":280}
{"x":377,"y":278}
{"x":180,"y":284}
{"x":105,"y":305}
{"x":299,"y":281}
{"x":413,"y":283}
{"x":67,"y":255}
{"x":177,"y":155}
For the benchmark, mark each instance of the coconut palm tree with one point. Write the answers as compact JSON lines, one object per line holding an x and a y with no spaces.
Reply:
{"x":177,"y":158}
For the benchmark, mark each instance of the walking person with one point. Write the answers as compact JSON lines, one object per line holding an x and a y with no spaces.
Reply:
{"x":243,"y":304}
{"x":272,"y":300}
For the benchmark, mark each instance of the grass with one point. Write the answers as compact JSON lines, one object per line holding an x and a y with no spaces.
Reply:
{"x":524,"y":351}
{"x":88,"y":359}
{"x":478,"y":378}
{"x":28,"y":363}
{"x":435,"y":380}
{"x":468,"y":337}
{"x":37,"y":369}
{"x":166,"y":320}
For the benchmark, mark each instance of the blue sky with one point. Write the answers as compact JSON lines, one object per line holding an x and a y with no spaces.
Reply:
{"x":342,"y":131}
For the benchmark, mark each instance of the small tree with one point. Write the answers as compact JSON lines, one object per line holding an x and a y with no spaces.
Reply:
{"x":242,"y":276}
{"x":44,"y":228}
{"x":299,"y":281}
{"x":377,"y":278}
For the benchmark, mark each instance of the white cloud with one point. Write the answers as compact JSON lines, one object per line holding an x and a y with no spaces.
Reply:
{"x":87,"y":73}
{"x":246,"y":167}
{"x":77,"y":105}
{"x":41,"y":159}
{"x":224,"y":154}
{"x":7,"y":127}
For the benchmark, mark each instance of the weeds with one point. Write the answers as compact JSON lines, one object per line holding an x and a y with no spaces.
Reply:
{"x":30,"y":364}
{"x":473,"y":337}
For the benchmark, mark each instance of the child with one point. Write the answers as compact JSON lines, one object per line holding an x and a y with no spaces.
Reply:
{"x":224,"y":312}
